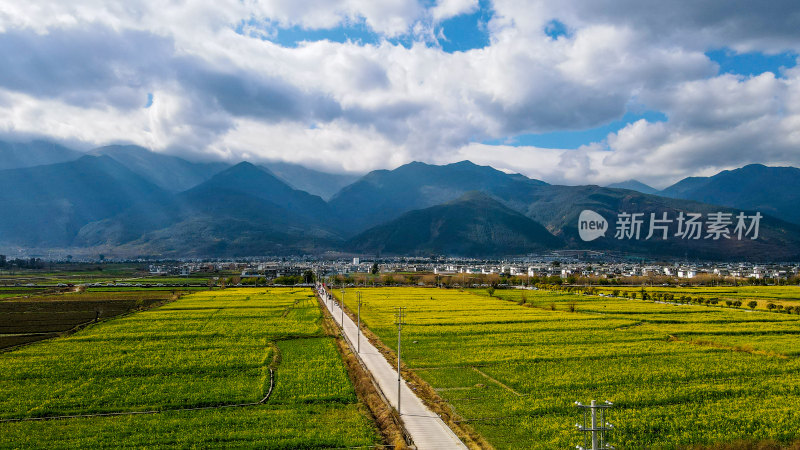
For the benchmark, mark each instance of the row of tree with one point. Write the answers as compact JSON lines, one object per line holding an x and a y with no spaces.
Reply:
{"x":668,"y":297}
{"x":307,"y":277}
{"x":19,"y":263}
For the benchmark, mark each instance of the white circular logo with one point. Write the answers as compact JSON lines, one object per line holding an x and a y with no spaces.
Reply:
{"x":591,"y":225}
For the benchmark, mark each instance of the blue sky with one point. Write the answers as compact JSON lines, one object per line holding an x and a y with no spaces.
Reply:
{"x":459,"y":33}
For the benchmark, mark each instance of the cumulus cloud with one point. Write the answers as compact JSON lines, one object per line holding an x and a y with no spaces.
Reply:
{"x":83,"y":71}
{"x":446,"y":9}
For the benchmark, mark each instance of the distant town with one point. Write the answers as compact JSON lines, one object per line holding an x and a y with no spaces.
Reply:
{"x":460,"y":272}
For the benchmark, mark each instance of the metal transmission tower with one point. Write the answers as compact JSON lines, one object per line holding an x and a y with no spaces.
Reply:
{"x":598,"y":425}
{"x":358,"y":326}
{"x":401,"y":315}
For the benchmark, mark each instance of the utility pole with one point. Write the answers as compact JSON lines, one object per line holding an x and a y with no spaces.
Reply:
{"x":341,"y":306}
{"x":401,"y":313}
{"x":598,"y":428}
{"x":358,"y":332}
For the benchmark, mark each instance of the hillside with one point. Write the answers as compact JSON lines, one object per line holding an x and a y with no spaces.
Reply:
{"x":383,"y":195}
{"x":102,"y":202}
{"x":388,"y":194}
{"x":241,"y":211}
{"x":51,"y":203}
{"x":473,"y":225}
{"x":558,"y":209}
{"x":771,"y":190}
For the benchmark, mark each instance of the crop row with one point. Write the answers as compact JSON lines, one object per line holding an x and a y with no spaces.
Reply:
{"x":206,"y":349}
{"x":678,"y":374}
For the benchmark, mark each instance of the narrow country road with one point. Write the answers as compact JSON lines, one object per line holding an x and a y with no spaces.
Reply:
{"x":427,"y":429}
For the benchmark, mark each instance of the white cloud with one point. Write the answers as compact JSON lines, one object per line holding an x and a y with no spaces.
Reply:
{"x":81,"y":71}
{"x":446,"y":9}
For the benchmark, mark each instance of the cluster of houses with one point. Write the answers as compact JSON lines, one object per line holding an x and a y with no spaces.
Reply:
{"x":546,"y":267}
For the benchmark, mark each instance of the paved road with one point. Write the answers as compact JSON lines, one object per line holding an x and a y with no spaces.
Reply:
{"x":427,"y":429}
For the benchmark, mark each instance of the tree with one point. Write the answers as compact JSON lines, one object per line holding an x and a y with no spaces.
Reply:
{"x":771,"y":306}
{"x":490,"y":291}
{"x":752,"y":304}
{"x":3,"y":260}
{"x":375,"y":269}
{"x":308,"y":277}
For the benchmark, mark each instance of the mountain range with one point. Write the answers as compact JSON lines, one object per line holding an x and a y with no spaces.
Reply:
{"x":126,"y":201}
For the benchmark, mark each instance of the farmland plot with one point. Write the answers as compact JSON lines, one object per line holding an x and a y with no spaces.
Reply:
{"x":677,"y":374}
{"x":205,"y":350}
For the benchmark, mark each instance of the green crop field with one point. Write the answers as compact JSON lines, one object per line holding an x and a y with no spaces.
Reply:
{"x":34,"y":318}
{"x":678,"y":374}
{"x":206,"y":350}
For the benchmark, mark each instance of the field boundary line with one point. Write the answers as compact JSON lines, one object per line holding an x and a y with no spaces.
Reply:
{"x":498,"y":382}
{"x":138,"y":413}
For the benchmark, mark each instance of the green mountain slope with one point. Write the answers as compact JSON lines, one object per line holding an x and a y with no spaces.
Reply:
{"x":383,"y":195}
{"x":771,"y":190}
{"x":242,"y":211}
{"x":473,"y":225}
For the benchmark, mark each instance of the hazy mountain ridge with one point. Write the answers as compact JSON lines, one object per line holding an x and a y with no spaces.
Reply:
{"x":634,"y":185}
{"x":322,"y":184}
{"x":417,"y":208}
{"x":18,"y":155}
{"x":171,"y":173}
{"x":51,"y":203}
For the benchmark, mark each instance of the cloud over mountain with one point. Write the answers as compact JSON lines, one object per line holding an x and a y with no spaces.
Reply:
{"x":353,"y":85}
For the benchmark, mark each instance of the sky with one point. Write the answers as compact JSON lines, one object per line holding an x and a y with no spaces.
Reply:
{"x":570,"y":92}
